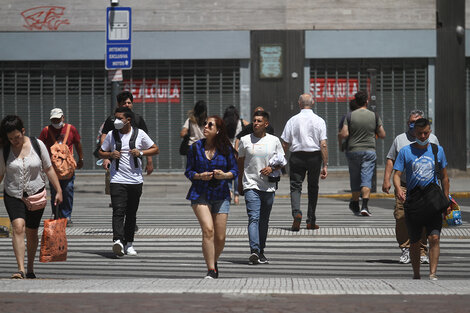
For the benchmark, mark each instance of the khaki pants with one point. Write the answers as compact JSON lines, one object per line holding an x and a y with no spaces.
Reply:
{"x":401,"y":231}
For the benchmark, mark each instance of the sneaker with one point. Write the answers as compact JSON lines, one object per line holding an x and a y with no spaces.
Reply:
{"x":69,"y":222}
{"x":424,"y":259}
{"x":405,"y":256}
{"x":216,"y":270}
{"x":432,"y":277}
{"x":211,"y":274}
{"x":254,"y":258}
{"x":129,"y":249}
{"x":365,"y":212}
{"x":296,"y":223}
{"x":118,"y":248}
{"x":263,"y":259}
{"x":354,"y":207}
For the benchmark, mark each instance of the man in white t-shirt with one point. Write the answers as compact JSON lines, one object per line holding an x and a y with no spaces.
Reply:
{"x":254,"y":153}
{"x":305,"y":136}
{"x":125,"y":146}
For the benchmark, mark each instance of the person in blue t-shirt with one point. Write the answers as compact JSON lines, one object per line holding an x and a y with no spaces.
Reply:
{"x":418,"y":161}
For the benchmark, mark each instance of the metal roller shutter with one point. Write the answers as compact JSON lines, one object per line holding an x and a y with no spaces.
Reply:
{"x":401,"y":87}
{"x":81,"y":89}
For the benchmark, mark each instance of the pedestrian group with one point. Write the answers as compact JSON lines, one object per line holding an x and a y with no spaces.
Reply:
{"x":226,"y":157}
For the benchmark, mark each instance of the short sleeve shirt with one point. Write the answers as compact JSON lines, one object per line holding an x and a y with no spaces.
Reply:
{"x":195,"y":131}
{"x":127,"y":172}
{"x":59,"y":136}
{"x":362,"y":129}
{"x":419,"y":165}
{"x":257,"y":152}
{"x":304,"y":131}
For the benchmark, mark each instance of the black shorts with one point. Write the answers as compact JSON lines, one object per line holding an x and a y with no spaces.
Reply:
{"x":17,"y":209}
{"x":415,"y":223}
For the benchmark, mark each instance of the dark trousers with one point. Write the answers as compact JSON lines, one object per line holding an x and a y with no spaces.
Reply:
{"x":125,"y":200}
{"x":301,"y":163}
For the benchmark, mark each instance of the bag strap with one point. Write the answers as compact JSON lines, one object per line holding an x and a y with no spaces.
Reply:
{"x":35,"y":144}
{"x":437,"y":169}
{"x":51,"y":134}
{"x":118,"y":144}
{"x":135,"y":132}
{"x":6,"y":152}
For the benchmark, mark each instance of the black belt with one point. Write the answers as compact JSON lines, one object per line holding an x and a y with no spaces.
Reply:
{"x":307,"y":152}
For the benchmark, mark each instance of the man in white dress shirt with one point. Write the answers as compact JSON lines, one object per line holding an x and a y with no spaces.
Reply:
{"x":305,"y":137}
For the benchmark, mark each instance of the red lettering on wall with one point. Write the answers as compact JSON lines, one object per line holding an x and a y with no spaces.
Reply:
{"x":47,"y":17}
{"x":163,"y":90}
{"x":334,"y":90}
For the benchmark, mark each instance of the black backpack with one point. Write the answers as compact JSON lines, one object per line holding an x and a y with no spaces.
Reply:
{"x":34,"y":143}
{"x":117,"y":140}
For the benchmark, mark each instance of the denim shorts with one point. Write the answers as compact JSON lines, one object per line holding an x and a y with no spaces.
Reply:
{"x":216,"y":206}
{"x":361,"y":168}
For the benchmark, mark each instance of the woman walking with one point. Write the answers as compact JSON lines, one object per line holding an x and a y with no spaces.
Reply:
{"x":23,"y":163}
{"x":211,"y":164}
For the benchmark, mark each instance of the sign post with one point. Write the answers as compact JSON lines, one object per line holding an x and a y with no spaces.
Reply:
{"x":118,"y":38}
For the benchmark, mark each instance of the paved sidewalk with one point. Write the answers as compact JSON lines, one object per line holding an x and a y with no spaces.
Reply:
{"x":242,"y":286}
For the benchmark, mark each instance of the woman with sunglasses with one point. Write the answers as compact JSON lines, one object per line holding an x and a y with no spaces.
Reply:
{"x":211,"y":164}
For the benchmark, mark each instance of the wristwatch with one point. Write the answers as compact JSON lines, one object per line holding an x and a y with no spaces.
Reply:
{"x":141,"y":153}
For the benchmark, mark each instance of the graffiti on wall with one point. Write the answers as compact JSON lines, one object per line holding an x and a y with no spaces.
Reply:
{"x":44,"y":18}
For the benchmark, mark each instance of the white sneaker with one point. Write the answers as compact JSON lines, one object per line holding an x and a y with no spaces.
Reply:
{"x":432,"y":277}
{"x":130,"y":249}
{"x":424,"y":259}
{"x":405,"y":256}
{"x":118,"y":248}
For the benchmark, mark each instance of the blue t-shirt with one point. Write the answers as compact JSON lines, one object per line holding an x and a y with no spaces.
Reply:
{"x":419,"y":165}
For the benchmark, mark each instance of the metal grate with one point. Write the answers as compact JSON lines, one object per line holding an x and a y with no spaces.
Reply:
{"x":401,"y":87}
{"x":81,"y":89}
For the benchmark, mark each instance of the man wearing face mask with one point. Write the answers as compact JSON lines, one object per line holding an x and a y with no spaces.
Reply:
{"x":401,"y":231}
{"x":51,"y":134}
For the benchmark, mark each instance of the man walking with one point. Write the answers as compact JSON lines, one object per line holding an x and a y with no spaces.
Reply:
{"x":361,"y":126}
{"x":254,"y":154}
{"x":125,"y":146}
{"x":305,"y":136}
{"x":419,"y":161}
{"x":60,"y":132}
{"x":401,"y":232}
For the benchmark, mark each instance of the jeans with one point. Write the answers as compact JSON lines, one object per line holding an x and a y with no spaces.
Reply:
{"x":361,"y":168}
{"x":65,"y":208}
{"x":301,"y":163}
{"x":125,"y":199}
{"x":258,"y":206}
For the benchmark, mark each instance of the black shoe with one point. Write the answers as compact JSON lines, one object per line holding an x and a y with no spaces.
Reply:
{"x":216,"y":270}
{"x":136,"y":229}
{"x":354,"y":206}
{"x":211,"y":274}
{"x":30,"y":275}
{"x":365,"y":212}
{"x":262,"y":259}
{"x":254,"y":258}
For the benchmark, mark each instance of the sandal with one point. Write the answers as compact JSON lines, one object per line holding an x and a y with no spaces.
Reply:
{"x":18,"y":275}
{"x":30,"y":275}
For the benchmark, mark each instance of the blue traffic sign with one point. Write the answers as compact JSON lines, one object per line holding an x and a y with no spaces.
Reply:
{"x":118,"y":38}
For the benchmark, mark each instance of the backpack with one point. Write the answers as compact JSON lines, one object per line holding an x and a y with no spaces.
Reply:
{"x":34,"y":143}
{"x":61,"y":157}
{"x":118,"y":142}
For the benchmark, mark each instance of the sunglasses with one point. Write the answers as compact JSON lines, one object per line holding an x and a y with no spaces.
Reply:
{"x":210,"y":124}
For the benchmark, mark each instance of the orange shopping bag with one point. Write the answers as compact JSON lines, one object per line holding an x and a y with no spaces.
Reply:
{"x":54,"y":241}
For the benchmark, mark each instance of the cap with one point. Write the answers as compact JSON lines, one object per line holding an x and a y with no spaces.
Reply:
{"x":56,"y":113}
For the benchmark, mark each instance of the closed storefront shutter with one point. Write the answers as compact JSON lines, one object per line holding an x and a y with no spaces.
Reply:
{"x":164,"y":92}
{"x":401,"y":87}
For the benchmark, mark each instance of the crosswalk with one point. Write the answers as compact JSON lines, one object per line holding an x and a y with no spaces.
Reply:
{"x":169,"y":245}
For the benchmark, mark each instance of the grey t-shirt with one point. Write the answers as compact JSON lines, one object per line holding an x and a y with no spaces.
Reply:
{"x":401,"y":141}
{"x":362,"y":128}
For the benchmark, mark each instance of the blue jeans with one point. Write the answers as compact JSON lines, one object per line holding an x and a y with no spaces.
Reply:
{"x":258,"y":206}
{"x":361,"y":168}
{"x":65,"y":208}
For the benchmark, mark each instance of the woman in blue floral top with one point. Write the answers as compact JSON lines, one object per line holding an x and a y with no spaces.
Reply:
{"x":210,"y":166}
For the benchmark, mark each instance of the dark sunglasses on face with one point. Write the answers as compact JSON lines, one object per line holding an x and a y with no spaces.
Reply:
{"x":210,"y":124}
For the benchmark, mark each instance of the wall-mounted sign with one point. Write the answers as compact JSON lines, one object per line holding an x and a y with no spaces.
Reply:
{"x":160,"y":90}
{"x":334,"y":90}
{"x":270,"y":57}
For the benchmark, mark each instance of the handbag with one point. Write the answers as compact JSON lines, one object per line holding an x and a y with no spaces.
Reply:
{"x":184,"y":146}
{"x":37,"y":201}
{"x":54,"y":240}
{"x":454,"y":218}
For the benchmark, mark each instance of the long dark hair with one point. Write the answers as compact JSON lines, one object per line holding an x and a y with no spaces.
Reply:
{"x":231,"y":120}
{"x":198,"y":114}
{"x":10,"y":123}
{"x":221,"y":141}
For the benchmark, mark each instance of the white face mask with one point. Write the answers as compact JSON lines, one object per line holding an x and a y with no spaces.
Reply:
{"x":58,"y":126}
{"x":118,"y":124}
